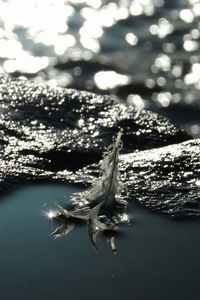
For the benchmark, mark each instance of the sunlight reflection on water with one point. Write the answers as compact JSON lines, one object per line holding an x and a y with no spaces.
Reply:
{"x":146,"y":48}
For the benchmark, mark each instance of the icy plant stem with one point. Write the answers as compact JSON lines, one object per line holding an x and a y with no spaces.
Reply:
{"x":114,"y":166}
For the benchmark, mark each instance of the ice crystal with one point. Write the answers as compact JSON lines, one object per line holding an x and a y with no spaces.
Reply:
{"x":99,"y":205}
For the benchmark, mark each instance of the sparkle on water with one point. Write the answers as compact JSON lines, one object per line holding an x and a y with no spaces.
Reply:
{"x":51,"y":214}
{"x":151,"y":42}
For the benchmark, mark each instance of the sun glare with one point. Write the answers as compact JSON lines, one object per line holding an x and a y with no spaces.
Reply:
{"x":51,"y":214}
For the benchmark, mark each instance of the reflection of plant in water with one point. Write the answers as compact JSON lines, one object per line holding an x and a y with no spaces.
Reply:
{"x":101,"y":205}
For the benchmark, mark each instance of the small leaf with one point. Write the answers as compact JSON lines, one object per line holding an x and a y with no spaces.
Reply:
{"x":76,"y":214}
{"x":63,"y":229}
{"x":113,"y":245}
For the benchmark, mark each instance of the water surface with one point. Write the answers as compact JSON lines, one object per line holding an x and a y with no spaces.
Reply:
{"x":157,"y":258}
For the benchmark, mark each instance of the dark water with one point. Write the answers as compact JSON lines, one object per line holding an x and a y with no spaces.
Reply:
{"x":157,"y":258}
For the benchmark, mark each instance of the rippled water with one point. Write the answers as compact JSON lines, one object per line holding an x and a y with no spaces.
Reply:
{"x":145,"y":52}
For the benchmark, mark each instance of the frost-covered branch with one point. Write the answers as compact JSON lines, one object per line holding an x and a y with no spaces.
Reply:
{"x":98,"y":205}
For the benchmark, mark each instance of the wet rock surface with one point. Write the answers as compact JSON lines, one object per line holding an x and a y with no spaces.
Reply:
{"x":48,"y":134}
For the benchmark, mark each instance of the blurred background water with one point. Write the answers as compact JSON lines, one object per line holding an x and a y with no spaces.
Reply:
{"x":143,"y":52}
